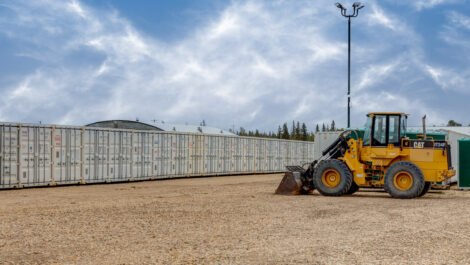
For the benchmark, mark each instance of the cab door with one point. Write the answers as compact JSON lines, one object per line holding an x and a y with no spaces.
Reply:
{"x":386,"y":130}
{"x":385,"y":139}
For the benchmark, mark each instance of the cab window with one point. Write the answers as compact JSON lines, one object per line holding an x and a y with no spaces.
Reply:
{"x":367,"y":131}
{"x":380,"y":130}
{"x":403,"y":126}
{"x":393,"y":132}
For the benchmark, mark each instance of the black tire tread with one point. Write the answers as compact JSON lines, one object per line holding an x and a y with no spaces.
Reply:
{"x":353,"y":189}
{"x":426,"y":188}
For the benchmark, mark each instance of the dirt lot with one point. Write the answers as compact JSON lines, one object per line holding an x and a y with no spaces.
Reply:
{"x":228,"y":220}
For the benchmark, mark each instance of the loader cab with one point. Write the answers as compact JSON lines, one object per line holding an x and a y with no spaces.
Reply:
{"x":384,"y":128}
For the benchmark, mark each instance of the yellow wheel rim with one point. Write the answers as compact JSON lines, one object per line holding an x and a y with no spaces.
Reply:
{"x":331,"y":178}
{"x":403,"y":180}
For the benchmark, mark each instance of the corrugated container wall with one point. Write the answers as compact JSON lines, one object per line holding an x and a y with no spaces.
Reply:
{"x":453,"y":139}
{"x":36,"y":155}
{"x":322,"y":141}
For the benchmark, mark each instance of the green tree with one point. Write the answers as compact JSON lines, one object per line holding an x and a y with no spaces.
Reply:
{"x":304,"y":132}
{"x":311,"y":137}
{"x":317,"y":128}
{"x":242,"y":132}
{"x":297,"y":131}
{"x":333,"y":126}
{"x":323,"y":128}
{"x":292,"y":133}
{"x":285,"y":131}
{"x":453,"y":123}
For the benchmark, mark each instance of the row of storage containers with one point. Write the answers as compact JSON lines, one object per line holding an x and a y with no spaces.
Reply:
{"x":35,"y":155}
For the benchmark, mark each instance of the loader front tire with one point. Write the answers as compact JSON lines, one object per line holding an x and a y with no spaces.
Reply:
{"x":404,"y":180}
{"x":332,"y":178}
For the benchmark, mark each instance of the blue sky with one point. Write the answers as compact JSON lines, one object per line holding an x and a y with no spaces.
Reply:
{"x":255,"y":64}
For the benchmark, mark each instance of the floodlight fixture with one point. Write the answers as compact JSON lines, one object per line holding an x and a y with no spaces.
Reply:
{"x":340,"y":6}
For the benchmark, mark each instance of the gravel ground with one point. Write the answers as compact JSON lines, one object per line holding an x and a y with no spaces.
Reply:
{"x":229,"y":220}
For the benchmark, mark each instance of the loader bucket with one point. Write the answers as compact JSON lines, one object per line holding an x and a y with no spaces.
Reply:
{"x":291,"y":184}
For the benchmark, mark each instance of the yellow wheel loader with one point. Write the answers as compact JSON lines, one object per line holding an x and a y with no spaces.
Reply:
{"x":382,"y":157}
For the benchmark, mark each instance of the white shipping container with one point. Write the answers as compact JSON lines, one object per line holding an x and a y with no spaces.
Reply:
{"x":453,"y":138}
{"x":322,"y":141}
{"x":38,"y":155}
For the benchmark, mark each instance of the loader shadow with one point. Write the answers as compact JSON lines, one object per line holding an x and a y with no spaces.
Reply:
{"x":374,"y":193}
{"x":385,"y":195}
{"x":371,"y":193}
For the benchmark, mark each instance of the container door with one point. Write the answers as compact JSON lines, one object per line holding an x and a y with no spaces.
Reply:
{"x":464,"y":165}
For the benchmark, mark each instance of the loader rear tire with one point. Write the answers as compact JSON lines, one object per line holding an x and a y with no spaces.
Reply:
{"x":353,"y":189}
{"x":404,"y":180}
{"x":332,"y":178}
{"x":427,"y":186}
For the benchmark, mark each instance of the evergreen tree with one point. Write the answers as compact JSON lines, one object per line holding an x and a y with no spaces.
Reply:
{"x":323,"y":128}
{"x":311,"y":137}
{"x":256,"y":133}
{"x":317,"y":128}
{"x":292,"y":133}
{"x":242,"y":132}
{"x":453,"y":123}
{"x":297,"y":131}
{"x":285,"y":132}
{"x":333,"y":128}
{"x":279,"y":132}
{"x":304,"y":132}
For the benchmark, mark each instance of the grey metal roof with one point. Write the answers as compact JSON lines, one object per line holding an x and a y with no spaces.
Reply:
{"x":464,"y":130}
{"x":136,"y":125}
{"x":192,"y":129}
{"x":124,"y":124}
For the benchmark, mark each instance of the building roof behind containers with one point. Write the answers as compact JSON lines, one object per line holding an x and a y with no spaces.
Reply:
{"x":159,"y":126}
{"x":465,"y":131}
{"x":192,"y":129}
{"x":124,"y":124}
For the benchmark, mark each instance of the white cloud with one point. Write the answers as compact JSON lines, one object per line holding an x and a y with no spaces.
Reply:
{"x":427,"y":4}
{"x":375,"y":74}
{"x":455,"y":32}
{"x":392,"y":101}
{"x":256,"y":64}
{"x":459,"y":19}
{"x":448,"y":79}
{"x":75,"y":7}
{"x":378,"y":16}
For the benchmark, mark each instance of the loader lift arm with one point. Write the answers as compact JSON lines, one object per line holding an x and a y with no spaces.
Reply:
{"x":298,"y":180}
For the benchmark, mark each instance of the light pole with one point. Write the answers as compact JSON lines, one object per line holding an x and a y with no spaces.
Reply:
{"x":356,"y":7}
